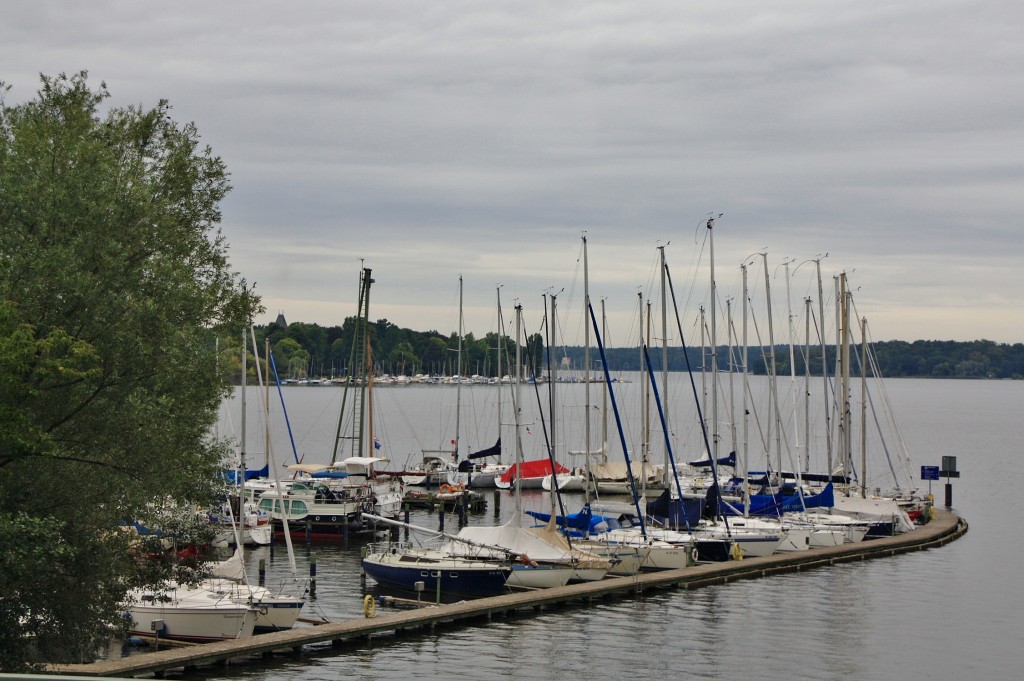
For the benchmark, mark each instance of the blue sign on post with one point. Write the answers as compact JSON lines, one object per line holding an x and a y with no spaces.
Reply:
{"x":929,"y":472}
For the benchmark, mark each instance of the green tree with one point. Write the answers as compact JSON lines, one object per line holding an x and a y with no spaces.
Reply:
{"x":113,"y":278}
{"x":313,"y":339}
{"x":434,"y":355}
{"x":290,"y":358}
{"x":402,"y":359}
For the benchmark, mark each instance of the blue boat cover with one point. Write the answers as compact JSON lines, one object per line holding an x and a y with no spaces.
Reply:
{"x":776,"y":504}
{"x":232,"y":476}
{"x":729,"y":460}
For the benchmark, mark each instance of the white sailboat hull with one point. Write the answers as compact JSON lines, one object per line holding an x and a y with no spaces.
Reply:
{"x":566,"y":483}
{"x":191,"y":617}
{"x":539,"y":577}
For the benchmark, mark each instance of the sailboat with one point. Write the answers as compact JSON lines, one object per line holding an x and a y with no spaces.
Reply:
{"x":185,"y":613}
{"x":485,"y":475}
{"x":409,"y":569}
{"x":552,"y":559}
{"x":709,"y":537}
{"x":537,"y":473}
{"x":667,"y":551}
{"x":887,"y":514}
{"x":275,"y":611}
{"x":221,"y":607}
{"x":325,"y":502}
{"x":471,"y":570}
{"x":239,"y":518}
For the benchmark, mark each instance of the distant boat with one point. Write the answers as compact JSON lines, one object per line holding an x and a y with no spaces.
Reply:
{"x":432,"y":472}
{"x":481,"y":475}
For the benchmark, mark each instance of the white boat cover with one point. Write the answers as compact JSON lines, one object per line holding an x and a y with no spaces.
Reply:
{"x":232,"y":568}
{"x":544,"y":544}
{"x":618,"y":471}
{"x":874,"y":510}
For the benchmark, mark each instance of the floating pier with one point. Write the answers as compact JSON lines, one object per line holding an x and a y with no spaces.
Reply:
{"x":473,"y":502}
{"x":943,"y":528}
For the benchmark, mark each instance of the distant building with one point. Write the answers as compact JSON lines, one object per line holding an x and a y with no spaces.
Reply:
{"x":281,"y":321}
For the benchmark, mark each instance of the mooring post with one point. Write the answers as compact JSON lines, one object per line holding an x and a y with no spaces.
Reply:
{"x":263,"y":571}
{"x":949,"y":471}
{"x":312,"y":575}
{"x":440,"y":516}
{"x":309,"y":532}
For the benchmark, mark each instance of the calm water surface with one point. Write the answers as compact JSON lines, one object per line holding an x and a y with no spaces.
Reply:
{"x":950,"y":613}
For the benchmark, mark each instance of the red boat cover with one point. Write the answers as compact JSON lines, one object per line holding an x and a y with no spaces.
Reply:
{"x":532,"y":469}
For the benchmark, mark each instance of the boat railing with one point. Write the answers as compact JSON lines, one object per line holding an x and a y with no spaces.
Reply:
{"x":395,"y":547}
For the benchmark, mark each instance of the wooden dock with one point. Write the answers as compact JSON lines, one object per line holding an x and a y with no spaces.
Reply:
{"x":472,"y":502}
{"x":944,"y":528}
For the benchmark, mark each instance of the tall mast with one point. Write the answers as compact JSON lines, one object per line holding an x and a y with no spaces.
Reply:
{"x":645,"y":411}
{"x":714,"y":346}
{"x":458,"y":385}
{"x":864,"y":408}
{"x":824,"y":370}
{"x":807,"y":384}
{"x":773,"y":395}
{"x":792,"y":358}
{"x":731,"y":361}
{"x":704,"y":371}
{"x":844,"y":377}
{"x":245,"y":371}
{"x":586,"y":374}
{"x":518,"y":410}
{"x":551,"y":404}
{"x":664,"y":355}
{"x":744,"y":460}
{"x":361,"y":357}
{"x":501,"y":348}
{"x":266,"y":402}
{"x":604,"y":393}
{"x":644,"y":465}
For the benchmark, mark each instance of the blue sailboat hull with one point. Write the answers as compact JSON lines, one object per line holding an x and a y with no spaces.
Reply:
{"x":474,"y":582}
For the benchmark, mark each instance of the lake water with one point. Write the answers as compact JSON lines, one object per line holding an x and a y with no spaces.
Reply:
{"x":956,"y":612}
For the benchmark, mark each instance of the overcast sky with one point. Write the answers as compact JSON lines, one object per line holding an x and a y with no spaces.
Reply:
{"x":483,"y":139}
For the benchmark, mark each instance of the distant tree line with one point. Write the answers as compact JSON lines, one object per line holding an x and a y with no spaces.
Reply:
{"x":922,"y":359}
{"x":302,"y":350}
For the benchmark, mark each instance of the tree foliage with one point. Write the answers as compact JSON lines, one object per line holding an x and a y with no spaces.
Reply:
{"x":113,"y":280}
{"x":434,"y":353}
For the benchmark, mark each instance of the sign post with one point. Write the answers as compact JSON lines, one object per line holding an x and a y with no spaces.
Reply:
{"x":929,"y":473}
